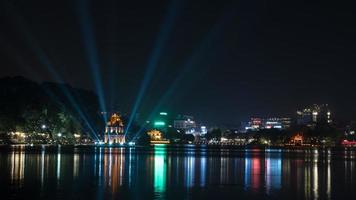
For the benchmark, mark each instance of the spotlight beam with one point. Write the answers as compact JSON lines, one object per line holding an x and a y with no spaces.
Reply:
{"x":112,"y":84}
{"x":162,"y":37}
{"x":44,"y":60}
{"x":19,"y":59}
{"x":197,"y":55}
{"x":91,"y":51}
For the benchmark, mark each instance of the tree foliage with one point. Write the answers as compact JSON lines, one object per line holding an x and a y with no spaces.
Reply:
{"x":33,"y":108}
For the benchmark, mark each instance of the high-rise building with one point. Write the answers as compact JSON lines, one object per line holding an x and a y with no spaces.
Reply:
{"x":186,"y":123}
{"x":314,"y":114}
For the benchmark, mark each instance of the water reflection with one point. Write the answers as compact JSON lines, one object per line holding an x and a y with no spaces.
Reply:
{"x":17,"y":167}
{"x":160,"y":169}
{"x":189,"y":171}
{"x":161,"y":172}
{"x":113,"y":171}
{"x":202,"y":171}
{"x":328,"y":178}
{"x":315,"y":179}
{"x":58,"y":165}
{"x":273,"y":170}
{"x":42,"y":167}
{"x":75,"y":165}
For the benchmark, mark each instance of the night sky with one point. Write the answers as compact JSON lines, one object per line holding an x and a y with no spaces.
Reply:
{"x":220,"y":61}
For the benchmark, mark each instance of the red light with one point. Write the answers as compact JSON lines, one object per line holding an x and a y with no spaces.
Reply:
{"x":346,"y":142}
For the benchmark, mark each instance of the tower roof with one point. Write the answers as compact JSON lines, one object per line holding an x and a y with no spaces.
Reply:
{"x":115,"y":120}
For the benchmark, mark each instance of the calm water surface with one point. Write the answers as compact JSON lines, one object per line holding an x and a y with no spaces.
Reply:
{"x":162,"y":172}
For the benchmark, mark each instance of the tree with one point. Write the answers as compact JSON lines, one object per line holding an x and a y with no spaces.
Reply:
{"x":143,"y":139}
{"x":214,"y":134}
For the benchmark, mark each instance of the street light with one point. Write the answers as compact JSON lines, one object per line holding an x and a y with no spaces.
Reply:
{"x":59,"y":134}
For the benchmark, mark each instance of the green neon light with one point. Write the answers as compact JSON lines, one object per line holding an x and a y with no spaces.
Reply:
{"x":159,"y":123}
{"x":163,"y":113}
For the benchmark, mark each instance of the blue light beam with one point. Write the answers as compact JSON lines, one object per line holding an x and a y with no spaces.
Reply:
{"x":162,"y":37}
{"x":193,"y":60}
{"x":44,"y":60}
{"x":91,"y":51}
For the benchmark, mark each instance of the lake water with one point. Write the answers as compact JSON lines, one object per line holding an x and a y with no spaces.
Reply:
{"x":161,"y":172}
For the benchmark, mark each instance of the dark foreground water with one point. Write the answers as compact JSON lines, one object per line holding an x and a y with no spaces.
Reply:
{"x":163,"y":172}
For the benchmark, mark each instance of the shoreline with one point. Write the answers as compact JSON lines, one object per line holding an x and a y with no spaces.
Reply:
{"x":189,"y":146}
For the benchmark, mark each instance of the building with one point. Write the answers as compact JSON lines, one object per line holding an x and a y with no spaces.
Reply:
{"x":312,"y":115}
{"x":203,"y":130}
{"x":160,"y":122}
{"x":256,"y":124}
{"x":114,"y":130}
{"x":272,"y":123}
{"x":156,"y":137}
{"x":297,"y":140}
{"x":186,"y":123}
{"x":277,"y":122}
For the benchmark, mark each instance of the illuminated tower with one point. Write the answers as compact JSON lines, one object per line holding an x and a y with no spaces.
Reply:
{"x":114,"y":130}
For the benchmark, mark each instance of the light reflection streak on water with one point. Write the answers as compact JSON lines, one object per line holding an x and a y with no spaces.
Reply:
{"x":247,"y":169}
{"x":17,"y":167}
{"x":130,"y":163}
{"x":58,"y":166}
{"x":75,"y":165}
{"x":189,"y":166}
{"x":113,"y":168}
{"x":100,"y":163}
{"x":177,"y":168}
{"x":95,"y":160}
{"x":202,"y":171}
{"x":159,"y":169}
{"x":273,"y":170}
{"x":224,"y":170}
{"x":42,"y":166}
{"x":121,"y":166}
{"x":315,"y":178}
{"x":256,"y":170}
{"x":108,"y":176}
{"x":352,"y":168}
{"x":307,"y":181}
{"x":100,"y":178}
{"x":328,"y":180}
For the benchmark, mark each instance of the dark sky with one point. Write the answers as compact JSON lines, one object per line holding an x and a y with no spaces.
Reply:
{"x":220,"y":61}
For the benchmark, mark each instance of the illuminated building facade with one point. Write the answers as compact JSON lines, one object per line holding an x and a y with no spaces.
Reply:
{"x":161,"y":122}
{"x":315,"y":114}
{"x":254,"y":124}
{"x":297,"y":139}
{"x":203,"y":130}
{"x":186,"y":123}
{"x":156,"y":137}
{"x":278,"y":123}
{"x":114,"y":130}
{"x":268,"y":123}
